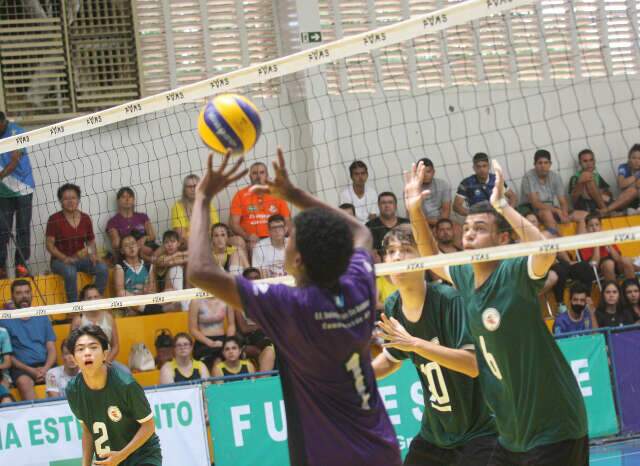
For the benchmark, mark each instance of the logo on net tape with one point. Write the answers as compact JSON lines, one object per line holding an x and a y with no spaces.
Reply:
{"x":133,"y":108}
{"x":375,"y":38}
{"x":219,"y":83}
{"x":434,"y":20}
{"x":623,"y":237}
{"x":114,"y":413}
{"x":491,"y":319}
{"x":267,"y":70}
{"x":319,"y":54}
{"x":22,"y":139}
{"x":497,"y":3}
{"x":175,"y":96}
{"x":94,"y":120}
{"x":56,"y":129}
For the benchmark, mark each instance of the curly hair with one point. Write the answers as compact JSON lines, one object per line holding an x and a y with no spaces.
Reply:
{"x":325,"y":243}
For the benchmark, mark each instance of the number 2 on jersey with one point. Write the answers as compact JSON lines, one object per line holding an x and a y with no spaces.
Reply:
{"x":100,"y":428}
{"x":353,"y":366}
{"x":491,"y":361}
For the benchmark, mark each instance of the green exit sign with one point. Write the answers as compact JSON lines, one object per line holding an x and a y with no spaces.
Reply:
{"x":308,"y":37}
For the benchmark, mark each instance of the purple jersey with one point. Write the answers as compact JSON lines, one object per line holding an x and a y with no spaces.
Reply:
{"x":126,"y":226}
{"x":335,"y":415}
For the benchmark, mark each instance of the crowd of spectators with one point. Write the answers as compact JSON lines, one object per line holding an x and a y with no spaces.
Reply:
{"x":224,"y":341}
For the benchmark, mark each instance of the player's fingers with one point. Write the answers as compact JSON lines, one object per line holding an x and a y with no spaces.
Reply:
{"x":280,"y":154}
{"x":238,"y":176}
{"x":235,"y":166}
{"x":259,"y":189}
{"x":210,"y":162}
{"x":425,"y":194}
{"x":225,"y":160}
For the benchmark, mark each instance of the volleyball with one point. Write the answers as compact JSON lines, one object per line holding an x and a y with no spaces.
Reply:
{"x":229,"y":121}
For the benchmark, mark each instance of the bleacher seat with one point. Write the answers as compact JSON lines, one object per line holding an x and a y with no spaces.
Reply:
{"x":40,"y":392}
{"x":148,"y":378}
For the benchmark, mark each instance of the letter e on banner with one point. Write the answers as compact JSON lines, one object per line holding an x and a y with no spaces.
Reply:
{"x":580,"y":368}
{"x":390,"y":403}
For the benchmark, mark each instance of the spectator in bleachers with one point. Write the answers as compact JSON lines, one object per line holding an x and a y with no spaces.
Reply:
{"x":579,"y":315}
{"x":631,"y":297}
{"x":6,"y":350}
{"x":129,"y":222}
{"x":250,"y":212}
{"x":183,"y":367}
{"x":33,"y":343}
{"x":382,"y":224}
{"x":207,"y":319}
{"x":169,"y":268}
{"x":232,"y":363}
{"x":348,"y":208}
{"x":437,"y":204}
{"x":610,"y":311}
{"x":362,"y":197}
{"x":544,"y":191}
{"x":72,"y":244}
{"x":444,"y":236}
{"x":103,"y":319}
{"x":268,"y":255}
{"x":133,"y":276}
{"x":182,"y":209}
{"x":629,"y":180}
{"x":588,"y":189}
{"x":478,"y":187}
{"x":229,"y":257}
{"x":16,"y":198}
{"x":258,"y":347}
{"x":58,"y":377}
{"x":608,"y":260}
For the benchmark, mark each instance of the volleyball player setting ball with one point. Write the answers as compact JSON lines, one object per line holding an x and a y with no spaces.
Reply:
{"x":229,"y":122}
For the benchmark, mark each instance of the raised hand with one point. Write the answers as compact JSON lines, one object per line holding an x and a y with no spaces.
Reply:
{"x":396,"y":335}
{"x":215,"y":181}
{"x":413,"y":193}
{"x":281,"y":185}
{"x":497,"y":196}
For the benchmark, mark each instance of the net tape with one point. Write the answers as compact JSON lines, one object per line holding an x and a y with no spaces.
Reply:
{"x":374,"y":39}
{"x":617,"y":236}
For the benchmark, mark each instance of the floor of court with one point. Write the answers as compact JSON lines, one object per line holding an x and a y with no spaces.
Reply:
{"x":626,"y":453}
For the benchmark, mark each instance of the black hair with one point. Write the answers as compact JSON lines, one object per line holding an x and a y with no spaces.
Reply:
{"x":170,"y":234}
{"x":442,"y":221}
{"x":91,"y":330}
{"x":234,"y":338}
{"x":19,"y":282}
{"x":629,"y":282}
{"x":401,"y":233}
{"x":128,"y":235}
{"x":85,"y":290}
{"x":325,"y":243}
{"x":480,"y":157}
{"x":68,"y":187}
{"x":357,"y":164}
{"x":125,"y":190}
{"x":63,"y":345}
{"x":426,"y":162}
{"x":578,"y":288}
{"x":387,"y":194}
{"x":602,"y":305}
{"x":347,"y":205}
{"x":634,"y":148}
{"x":275,"y":218}
{"x":484,"y":207}
{"x":216,"y":226}
{"x":591,"y":216}
{"x":584,"y":152}
{"x":250,"y":270}
{"x":3,"y":117}
{"x":541,"y":154}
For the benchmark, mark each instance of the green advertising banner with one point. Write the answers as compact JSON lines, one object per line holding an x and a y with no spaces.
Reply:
{"x":587,"y":356}
{"x":248,"y":418}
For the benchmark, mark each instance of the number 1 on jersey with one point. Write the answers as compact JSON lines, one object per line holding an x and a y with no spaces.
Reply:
{"x":353,"y":366}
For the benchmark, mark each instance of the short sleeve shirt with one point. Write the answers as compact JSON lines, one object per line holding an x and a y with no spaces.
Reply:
{"x":180,"y":219}
{"x":587,"y":253}
{"x":548,"y":192}
{"x":56,"y":381}
{"x":268,"y":259}
{"x":365,"y":205}
{"x":5,"y":344}
{"x":472,"y":190}
{"x":70,"y":240}
{"x":625,"y":171}
{"x":602,"y":185}
{"x":254,"y":210}
{"x":379,"y":230}
{"x":440,"y":193}
{"x":132,"y":225}
{"x":323,"y":340}
{"x":565,"y":324}
{"x":20,"y":182}
{"x":29,"y":338}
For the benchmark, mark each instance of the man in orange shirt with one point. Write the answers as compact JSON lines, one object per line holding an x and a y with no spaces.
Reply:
{"x":250,"y":212}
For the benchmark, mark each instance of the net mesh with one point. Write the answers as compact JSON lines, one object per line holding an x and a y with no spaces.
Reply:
{"x":505,"y":78}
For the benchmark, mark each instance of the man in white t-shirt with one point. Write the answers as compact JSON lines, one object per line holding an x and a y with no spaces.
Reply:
{"x":364,"y":199}
{"x":58,"y":377}
{"x":268,"y":256}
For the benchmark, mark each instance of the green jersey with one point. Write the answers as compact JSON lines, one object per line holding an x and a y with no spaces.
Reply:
{"x":525,"y":378}
{"x":454,"y":410}
{"x":114,"y":414}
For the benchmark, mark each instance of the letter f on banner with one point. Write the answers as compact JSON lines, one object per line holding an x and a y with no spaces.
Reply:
{"x":240,"y":424}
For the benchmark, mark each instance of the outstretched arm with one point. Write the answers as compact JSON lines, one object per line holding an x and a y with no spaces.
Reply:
{"x":526,"y":231}
{"x":282,"y":187}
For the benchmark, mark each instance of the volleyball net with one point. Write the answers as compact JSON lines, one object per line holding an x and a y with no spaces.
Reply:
{"x":388,"y":85}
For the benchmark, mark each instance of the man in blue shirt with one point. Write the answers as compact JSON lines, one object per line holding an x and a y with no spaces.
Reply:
{"x":33,"y":342}
{"x":478,"y":187}
{"x":579,"y":315}
{"x":5,"y":363}
{"x":16,"y":196}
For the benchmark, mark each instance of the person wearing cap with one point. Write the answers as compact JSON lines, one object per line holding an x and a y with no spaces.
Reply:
{"x":16,"y":198}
